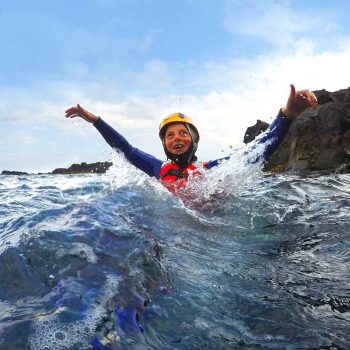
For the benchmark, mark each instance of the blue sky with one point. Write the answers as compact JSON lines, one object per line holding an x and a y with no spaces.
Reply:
{"x":225,"y":63}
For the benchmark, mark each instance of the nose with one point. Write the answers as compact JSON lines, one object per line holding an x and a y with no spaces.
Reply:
{"x":177,"y":137}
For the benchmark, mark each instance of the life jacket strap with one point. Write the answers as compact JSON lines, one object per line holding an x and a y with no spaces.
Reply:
{"x":175,"y":172}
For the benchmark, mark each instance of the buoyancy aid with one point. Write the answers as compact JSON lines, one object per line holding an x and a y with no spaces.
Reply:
{"x":174,"y":178}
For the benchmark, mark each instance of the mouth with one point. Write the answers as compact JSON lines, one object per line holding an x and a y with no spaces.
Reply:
{"x":178,"y":146}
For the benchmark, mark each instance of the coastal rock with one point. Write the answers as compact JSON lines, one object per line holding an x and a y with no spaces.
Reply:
{"x":8,"y":172}
{"x":84,"y":168}
{"x":253,"y":131}
{"x":319,"y":139}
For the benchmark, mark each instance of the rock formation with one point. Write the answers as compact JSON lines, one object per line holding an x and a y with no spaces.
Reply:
{"x":8,"y":172}
{"x":319,"y":139}
{"x":253,"y":131}
{"x":84,"y":168}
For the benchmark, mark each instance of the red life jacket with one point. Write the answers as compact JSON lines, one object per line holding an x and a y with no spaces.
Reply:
{"x":173,"y":178}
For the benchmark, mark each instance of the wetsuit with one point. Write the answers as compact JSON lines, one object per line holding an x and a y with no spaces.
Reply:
{"x":152,"y":166}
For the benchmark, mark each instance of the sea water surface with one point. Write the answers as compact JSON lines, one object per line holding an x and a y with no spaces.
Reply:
{"x":244,"y":260}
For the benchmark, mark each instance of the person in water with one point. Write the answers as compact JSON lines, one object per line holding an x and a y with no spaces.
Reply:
{"x":180,"y":139}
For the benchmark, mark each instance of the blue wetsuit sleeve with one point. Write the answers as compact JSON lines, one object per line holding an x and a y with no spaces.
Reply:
{"x":274,"y":136}
{"x":144,"y":161}
{"x":271,"y":139}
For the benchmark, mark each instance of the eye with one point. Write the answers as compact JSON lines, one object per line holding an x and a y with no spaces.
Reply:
{"x":183,"y":133}
{"x":169,"y":135}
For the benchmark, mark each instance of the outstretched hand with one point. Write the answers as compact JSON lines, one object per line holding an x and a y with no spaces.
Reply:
{"x":298,"y":101}
{"x":81,"y":112}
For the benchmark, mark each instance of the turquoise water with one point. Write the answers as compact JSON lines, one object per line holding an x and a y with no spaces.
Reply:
{"x":250,"y":261}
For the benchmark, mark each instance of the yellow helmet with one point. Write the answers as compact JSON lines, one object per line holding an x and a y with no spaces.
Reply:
{"x":176,"y":118}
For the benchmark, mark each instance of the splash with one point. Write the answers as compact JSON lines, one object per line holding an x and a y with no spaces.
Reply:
{"x":227,"y":180}
{"x":215,"y":186}
{"x":123,"y":174}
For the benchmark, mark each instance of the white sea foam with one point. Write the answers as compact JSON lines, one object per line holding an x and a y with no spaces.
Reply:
{"x":80,"y":249}
{"x":50,"y":333}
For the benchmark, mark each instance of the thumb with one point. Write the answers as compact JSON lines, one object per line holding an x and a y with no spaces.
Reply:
{"x":292,"y":92}
{"x":83,"y":111}
{"x":80,"y":108}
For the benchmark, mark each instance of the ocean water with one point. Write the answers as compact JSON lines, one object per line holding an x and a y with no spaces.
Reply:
{"x":242,"y":260}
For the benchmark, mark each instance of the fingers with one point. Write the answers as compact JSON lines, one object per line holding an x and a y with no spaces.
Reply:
{"x":72,"y":115}
{"x":71,"y":109}
{"x":308,"y":96}
{"x":74,"y":112}
{"x":81,"y":112}
{"x":313,"y":99}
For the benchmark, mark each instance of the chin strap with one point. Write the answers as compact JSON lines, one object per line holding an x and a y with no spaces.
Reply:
{"x":194,"y":143}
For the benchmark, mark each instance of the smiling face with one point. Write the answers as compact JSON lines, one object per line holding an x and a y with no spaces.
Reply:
{"x":177,"y":139}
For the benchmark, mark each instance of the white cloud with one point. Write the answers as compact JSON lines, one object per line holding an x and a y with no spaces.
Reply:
{"x":18,"y":137}
{"x":155,"y":74}
{"x":281,"y":23}
{"x":268,"y":20}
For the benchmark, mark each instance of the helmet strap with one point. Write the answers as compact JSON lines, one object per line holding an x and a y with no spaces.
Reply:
{"x":194,"y":143}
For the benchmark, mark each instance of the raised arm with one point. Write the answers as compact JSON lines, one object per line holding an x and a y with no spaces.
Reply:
{"x":297,"y":102}
{"x":144,"y":161}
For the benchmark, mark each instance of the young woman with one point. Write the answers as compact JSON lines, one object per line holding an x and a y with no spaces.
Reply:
{"x":180,"y":139}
